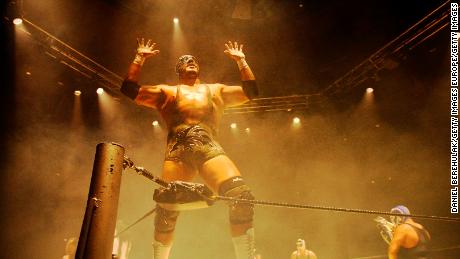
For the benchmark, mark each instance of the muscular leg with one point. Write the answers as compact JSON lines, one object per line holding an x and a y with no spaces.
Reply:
{"x":172,"y":171}
{"x":221,"y":174}
{"x":216,"y":171}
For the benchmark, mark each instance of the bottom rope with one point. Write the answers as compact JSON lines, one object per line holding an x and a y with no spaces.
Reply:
{"x":330,"y":208}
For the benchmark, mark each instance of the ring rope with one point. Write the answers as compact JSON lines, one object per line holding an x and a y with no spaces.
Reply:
{"x":330,"y":208}
{"x":128,"y":163}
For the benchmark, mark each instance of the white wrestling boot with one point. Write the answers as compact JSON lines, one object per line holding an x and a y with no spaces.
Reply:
{"x":245,"y":245}
{"x":160,"y":251}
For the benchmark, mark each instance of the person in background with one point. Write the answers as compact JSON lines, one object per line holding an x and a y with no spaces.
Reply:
{"x":301,"y":252}
{"x":410,"y":239}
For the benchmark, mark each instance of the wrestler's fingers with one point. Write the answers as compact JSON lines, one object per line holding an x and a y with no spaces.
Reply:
{"x":148,"y":43}
{"x":155,"y":52}
{"x":227,"y":46}
{"x":241,"y":47}
{"x":142,"y":42}
{"x":230,"y":44}
{"x":236,"y":45}
{"x":226,"y":51}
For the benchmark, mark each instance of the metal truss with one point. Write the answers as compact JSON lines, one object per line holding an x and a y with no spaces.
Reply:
{"x":74,"y":59}
{"x":387,"y":57}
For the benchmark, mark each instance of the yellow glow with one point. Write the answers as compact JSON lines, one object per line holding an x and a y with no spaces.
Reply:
{"x":368,"y":97}
{"x":107,"y":110}
{"x":296,"y":124}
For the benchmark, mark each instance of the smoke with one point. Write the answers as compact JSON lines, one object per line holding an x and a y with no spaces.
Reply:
{"x":369,"y":155}
{"x":351,"y":158}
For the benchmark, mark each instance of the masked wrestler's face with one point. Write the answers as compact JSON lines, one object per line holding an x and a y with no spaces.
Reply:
{"x":396,"y":220}
{"x":300,"y":244}
{"x":187,"y":66}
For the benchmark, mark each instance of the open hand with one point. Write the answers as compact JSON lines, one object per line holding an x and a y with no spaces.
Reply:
{"x":234,"y":51}
{"x":146,"y":49}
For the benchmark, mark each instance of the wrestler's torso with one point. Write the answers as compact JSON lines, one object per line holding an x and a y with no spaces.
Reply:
{"x":305,"y":255}
{"x":198,"y":104}
{"x":415,"y":245}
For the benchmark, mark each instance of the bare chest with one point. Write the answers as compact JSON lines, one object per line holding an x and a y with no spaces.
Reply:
{"x":191,"y":105}
{"x":196,"y":98}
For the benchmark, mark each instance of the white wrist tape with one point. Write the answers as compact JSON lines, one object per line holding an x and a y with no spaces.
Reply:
{"x":242,"y":63}
{"x":139,"y":59}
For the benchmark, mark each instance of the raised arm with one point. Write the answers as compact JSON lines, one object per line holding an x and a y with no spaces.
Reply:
{"x":146,"y":95}
{"x":234,"y":95}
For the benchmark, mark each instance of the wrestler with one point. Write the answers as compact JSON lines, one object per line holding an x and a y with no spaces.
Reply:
{"x":192,"y":111}
{"x":302,"y":252}
{"x":410,"y":239}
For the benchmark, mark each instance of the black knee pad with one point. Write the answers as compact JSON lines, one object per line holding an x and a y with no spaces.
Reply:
{"x":239,"y":212}
{"x":165,"y":220}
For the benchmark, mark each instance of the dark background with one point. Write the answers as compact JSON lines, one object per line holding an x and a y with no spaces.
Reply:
{"x":369,"y":152}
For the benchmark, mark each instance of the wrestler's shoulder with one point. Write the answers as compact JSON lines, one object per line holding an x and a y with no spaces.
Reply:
{"x":168,"y":88}
{"x":404,"y":228}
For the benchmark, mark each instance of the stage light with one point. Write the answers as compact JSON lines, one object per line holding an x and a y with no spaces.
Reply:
{"x":248,"y":130}
{"x":100,"y":90}
{"x":28,"y":73}
{"x":369,"y":90}
{"x":77,"y":93}
{"x":155,"y":123}
{"x":233,"y":125}
{"x":179,"y":45}
{"x":296,"y":125}
{"x":17,"y":21}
